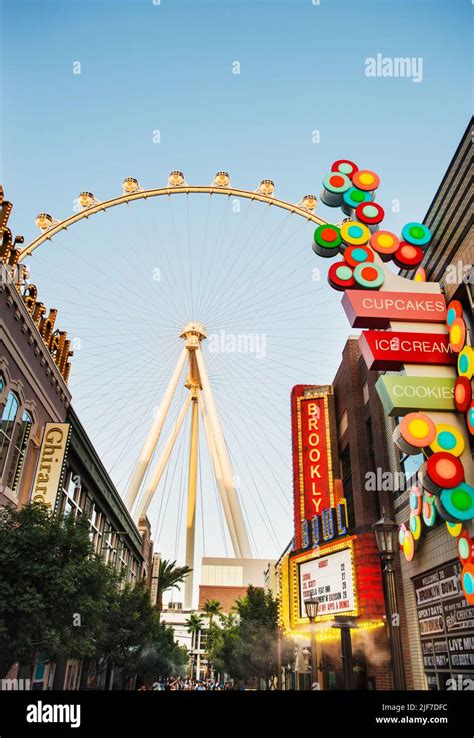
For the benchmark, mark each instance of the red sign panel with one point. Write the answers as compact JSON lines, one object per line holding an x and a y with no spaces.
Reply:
{"x":377,"y":309}
{"x":392,"y":349}
{"x":311,"y":456}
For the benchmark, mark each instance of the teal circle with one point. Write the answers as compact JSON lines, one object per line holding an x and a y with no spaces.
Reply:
{"x":446,"y":440}
{"x":459,"y":501}
{"x":345,"y":168}
{"x":344,"y":272}
{"x":355,"y":197}
{"x":468,"y":582}
{"x":463,"y":363}
{"x":371,"y":285}
{"x":450,"y":316}
{"x":463,"y":548}
{"x":370,"y":211}
{"x":359,"y":255}
{"x":355,"y":231}
{"x":471,"y":415}
{"x":416,"y":233}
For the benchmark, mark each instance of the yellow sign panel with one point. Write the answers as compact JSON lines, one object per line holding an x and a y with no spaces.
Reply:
{"x":50,"y":463}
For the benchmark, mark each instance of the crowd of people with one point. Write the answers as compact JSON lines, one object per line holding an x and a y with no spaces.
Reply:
{"x":196,"y":685}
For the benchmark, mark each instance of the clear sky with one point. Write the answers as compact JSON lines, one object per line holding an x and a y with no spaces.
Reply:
{"x":301,"y":100}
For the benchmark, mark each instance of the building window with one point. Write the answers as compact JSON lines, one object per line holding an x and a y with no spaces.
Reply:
{"x":7,"y":427}
{"x":20,"y":445}
{"x":72,"y":495}
{"x":365,"y":393}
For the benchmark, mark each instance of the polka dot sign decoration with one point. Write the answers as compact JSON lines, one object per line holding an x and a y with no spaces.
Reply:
{"x":353,"y":190}
{"x":460,"y":342}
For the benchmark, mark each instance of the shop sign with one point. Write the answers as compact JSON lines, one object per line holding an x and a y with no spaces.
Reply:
{"x":51,"y":462}
{"x":401,"y":394}
{"x":377,"y":310}
{"x":329,"y":579}
{"x":390,"y":350}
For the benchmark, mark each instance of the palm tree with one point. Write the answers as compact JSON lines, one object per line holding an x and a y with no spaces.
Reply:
{"x":194,"y":624}
{"x":170,"y":576}
{"x":211,"y":608}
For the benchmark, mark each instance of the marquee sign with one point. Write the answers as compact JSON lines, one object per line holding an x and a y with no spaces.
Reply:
{"x":312,"y":463}
{"x":390,"y":350}
{"x":400,"y":395}
{"x":365,"y":310}
{"x":50,"y":469}
{"x":330,"y":580}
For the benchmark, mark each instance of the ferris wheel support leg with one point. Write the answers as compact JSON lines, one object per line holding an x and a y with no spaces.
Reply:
{"x":154,"y":434}
{"x":158,"y":470}
{"x":224,"y":459}
{"x":191,"y":516}
{"x":219,"y":479}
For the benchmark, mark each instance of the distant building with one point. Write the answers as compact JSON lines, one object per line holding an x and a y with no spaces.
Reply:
{"x":227,"y":579}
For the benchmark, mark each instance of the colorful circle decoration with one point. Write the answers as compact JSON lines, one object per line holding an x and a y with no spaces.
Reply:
{"x":334,"y":186}
{"x":417,"y":234}
{"x":408,"y":545}
{"x":401,"y":534}
{"x":445,"y":470}
{"x":454,"y":529}
{"x":457,"y":334}
{"x":353,"y":198}
{"x":369,"y":275}
{"x":448,"y":438}
{"x":459,"y":501}
{"x":466,"y":362}
{"x":327,"y":239}
{"x":467,"y":582}
{"x":428,"y":510}
{"x":420,"y":275}
{"x":366,"y":180}
{"x":384,"y":243}
{"x":417,"y":430}
{"x":370,"y":213}
{"x":408,"y":256}
{"x":470,"y":419}
{"x":465,"y":546}
{"x":341,"y":276}
{"x":462,"y":394}
{"x":354,"y":233}
{"x":416,"y":500}
{"x":344,"y":166}
{"x":355,"y":255}
{"x":453,"y":310}
{"x":415,"y":526}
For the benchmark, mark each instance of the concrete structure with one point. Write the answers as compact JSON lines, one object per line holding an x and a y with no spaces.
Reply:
{"x":226,"y":579}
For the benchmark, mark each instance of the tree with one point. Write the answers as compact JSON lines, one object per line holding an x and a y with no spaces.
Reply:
{"x":163,"y":657}
{"x":170,"y":576}
{"x":53,"y":589}
{"x":247,"y":644}
{"x":194,"y":624}
{"x":212,"y":608}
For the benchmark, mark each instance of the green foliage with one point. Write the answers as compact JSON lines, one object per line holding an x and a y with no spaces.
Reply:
{"x":58,"y":598}
{"x":163,"y":657}
{"x":246,"y":645}
{"x":170,"y":576}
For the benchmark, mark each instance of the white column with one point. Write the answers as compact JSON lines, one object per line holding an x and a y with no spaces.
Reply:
{"x":154,"y":434}
{"x":224,"y":459}
{"x":219,"y":479}
{"x":158,"y":470}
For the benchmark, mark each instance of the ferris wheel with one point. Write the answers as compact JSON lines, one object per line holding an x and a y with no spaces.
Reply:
{"x":192,"y":319}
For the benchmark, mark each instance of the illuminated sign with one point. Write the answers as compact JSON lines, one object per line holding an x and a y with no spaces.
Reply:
{"x":400,"y":395}
{"x":377,"y":310}
{"x":329,"y":579}
{"x":312,"y":467}
{"x":55,"y":340}
{"x":49,"y":471}
{"x":390,"y":350}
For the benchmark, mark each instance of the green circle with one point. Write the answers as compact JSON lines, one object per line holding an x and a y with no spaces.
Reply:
{"x":461,"y":499}
{"x":345,"y":168}
{"x":416,"y":232}
{"x":357,"y":196}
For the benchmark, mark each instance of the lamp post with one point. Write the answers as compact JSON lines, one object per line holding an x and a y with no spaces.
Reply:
{"x":386,"y":532}
{"x":311,"y":607}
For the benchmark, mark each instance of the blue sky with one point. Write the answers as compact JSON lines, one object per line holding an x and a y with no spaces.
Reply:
{"x":168,"y":68}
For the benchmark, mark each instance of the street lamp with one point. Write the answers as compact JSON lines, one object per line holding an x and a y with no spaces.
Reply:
{"x":386,"y":534}
{"x":311,"y":607}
